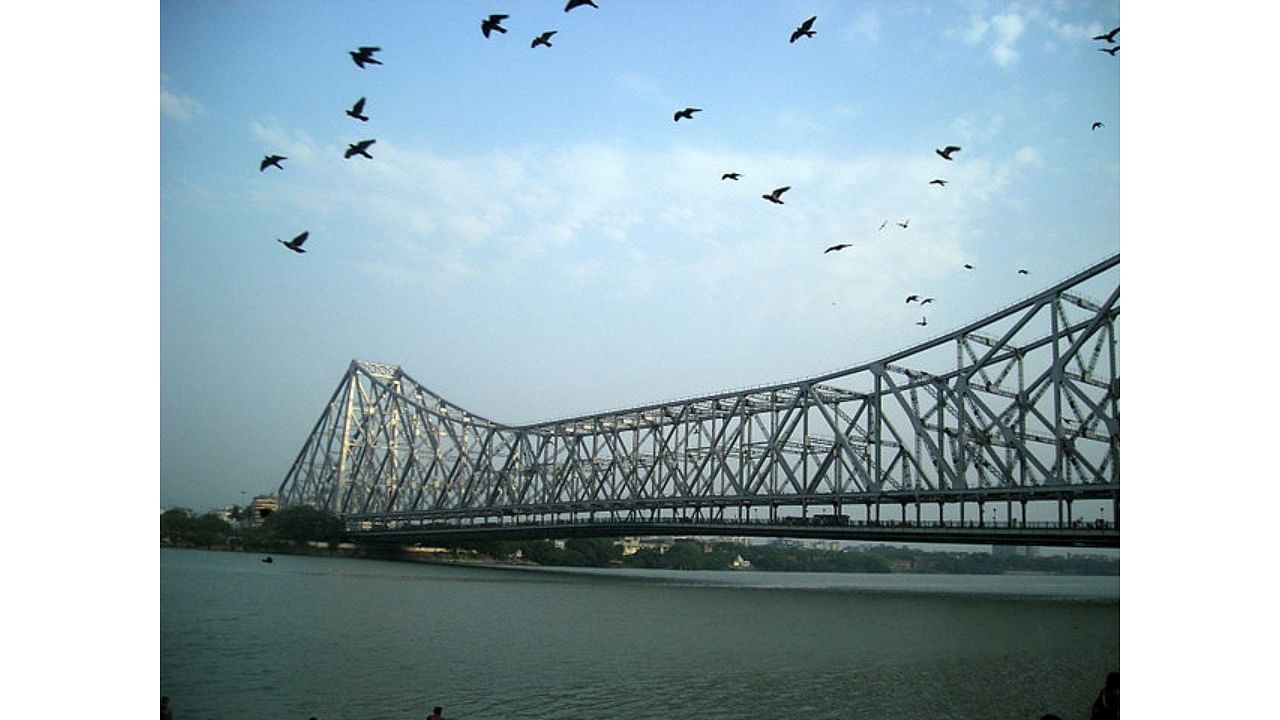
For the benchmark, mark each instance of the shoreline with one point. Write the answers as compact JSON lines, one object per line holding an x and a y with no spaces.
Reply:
{"x":401,"y":554}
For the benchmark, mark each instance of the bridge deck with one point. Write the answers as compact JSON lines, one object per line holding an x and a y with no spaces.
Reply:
{"x":1079,"y":534}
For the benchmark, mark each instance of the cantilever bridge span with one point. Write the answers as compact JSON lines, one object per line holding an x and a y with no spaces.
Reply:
{"x":996,"y":432}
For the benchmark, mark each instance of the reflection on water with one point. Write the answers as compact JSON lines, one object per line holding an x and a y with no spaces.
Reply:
{"x":341,"y":638}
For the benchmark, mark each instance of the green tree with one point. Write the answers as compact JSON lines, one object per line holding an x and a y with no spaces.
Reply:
{"x":593,"y":552}
{"x":180,"y":527}
{"x":685,"y":556}
{"x":301,"y":523}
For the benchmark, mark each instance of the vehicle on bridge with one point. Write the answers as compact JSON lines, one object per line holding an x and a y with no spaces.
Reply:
{"x":823,"y":520}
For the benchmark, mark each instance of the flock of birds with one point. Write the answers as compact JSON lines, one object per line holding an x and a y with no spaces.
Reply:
{"x":364,"y":55}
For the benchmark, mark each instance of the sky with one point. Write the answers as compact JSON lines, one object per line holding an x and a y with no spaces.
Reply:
{"x":536,"y":237}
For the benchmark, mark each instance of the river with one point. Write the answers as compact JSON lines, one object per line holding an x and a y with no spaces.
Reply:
{"x":351,"y":639}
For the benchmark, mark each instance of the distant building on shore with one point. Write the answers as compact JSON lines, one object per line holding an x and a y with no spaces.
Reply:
{"x":262,"y":507}
{"x":1013,"y":550}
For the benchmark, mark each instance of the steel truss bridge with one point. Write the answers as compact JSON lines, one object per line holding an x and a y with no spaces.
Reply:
{"x":987,"y":434}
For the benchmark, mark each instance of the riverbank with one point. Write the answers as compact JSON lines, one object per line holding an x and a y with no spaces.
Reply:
{"x":727,"y":557}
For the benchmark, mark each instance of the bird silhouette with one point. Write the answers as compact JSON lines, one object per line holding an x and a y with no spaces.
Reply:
{"x":1096,"y":125}
{"x":1109,"y":37}
{"x":945,"y":153}
{"x":805,"y":29}
{"x":923,"y":321}
{"x":269,"y":160}
{"x":1110,"y":51}
{"x":967,"y":266}
{"x":926,"y":301}
{"x":579,"y":3}
{"x":839,"y":246}
{"x":296,"y":243}
{"x":937,"y":181}
{"x":357,"y":111}
{"x":886,"y":222}
{"x":775,"y":197}
{"x":731,"y":176}
{"x":365,"y":55}
{"x":543,"y":39}
{"x":912,"y":298}
{"x":360,"y":148}
{"x":903,"y":224}
{"x":1023,"y":271}
{"x":493,"y":22}
{"x":686,"y":113}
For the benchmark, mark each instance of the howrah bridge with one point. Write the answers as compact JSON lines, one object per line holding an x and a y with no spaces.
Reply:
{"x":994,"y":433}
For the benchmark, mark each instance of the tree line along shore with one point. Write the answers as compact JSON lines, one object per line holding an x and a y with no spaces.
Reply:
{"x":304,"y":530}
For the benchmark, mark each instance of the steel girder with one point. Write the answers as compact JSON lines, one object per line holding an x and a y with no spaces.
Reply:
{"x":1021,"y":405}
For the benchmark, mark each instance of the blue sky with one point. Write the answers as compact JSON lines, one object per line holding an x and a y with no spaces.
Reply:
{"x":535,"y":237}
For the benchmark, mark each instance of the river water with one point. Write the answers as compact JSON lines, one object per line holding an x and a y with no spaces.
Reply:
{"x":349,"y":639}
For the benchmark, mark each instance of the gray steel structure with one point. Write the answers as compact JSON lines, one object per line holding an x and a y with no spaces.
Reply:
{"x":1020,"y":407}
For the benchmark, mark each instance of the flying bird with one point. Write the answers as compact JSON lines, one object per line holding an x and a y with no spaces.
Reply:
{"x":365,"y":55}
{"x":903,"y":224}
{"x":775,"y":197}
{"x":886,"y":222}
{"x":1109,"y":37}
{"x":579,"y":3}
{"x":945,"y":153}
{"x":1023,"y":271}
{"x":493,"y":22}
{"x":543,"y":39}
{"x":296,"y":243}
{"x":357,"y":111}
{"x":686,"y":113}
{"x":360,"y":148}
{"x":805,"y":29}
{"x":1110,"y":51}
{"x":937,"y":181}
{"x":731,"y":176}
{"x":839,"y":246}
{"x":269,"y":160}
{"x":923,"y":321}
{"x":912,"y":298}
{"x":967,"y":266}
{"x":1096,"y":125}
{"x":926,"y":301}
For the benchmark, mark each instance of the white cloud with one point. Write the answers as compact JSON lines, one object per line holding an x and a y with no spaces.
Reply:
{"x":1008,"y":28}
{"x":276,"y":139}
{"x":176,"y":105}
{"x":603,"y":215}
{"x":1071,"y":32}
{"x":865,"y":27}
{"x":1003,"y":34}
{"x":648,"y":229}
{"x":976,"y":31}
